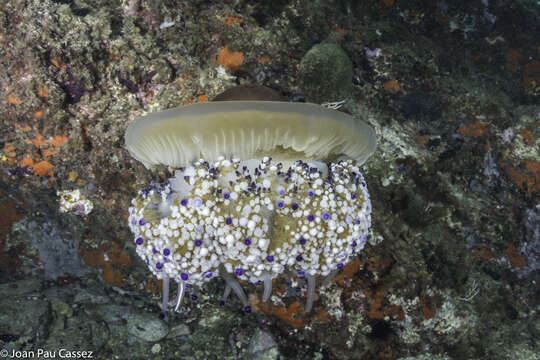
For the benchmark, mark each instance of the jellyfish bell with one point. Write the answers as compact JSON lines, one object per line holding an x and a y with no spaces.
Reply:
{"x":260,"y":187}
{"x":248,"y":130}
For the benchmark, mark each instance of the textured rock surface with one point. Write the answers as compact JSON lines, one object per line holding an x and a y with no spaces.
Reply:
{"x":325,"y":74}
{"x":263,"y":346}
{"x":146,"y":327}
{"x":451,"y":266}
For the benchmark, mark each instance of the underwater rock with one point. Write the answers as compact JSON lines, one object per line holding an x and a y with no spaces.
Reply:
{"x":146,"y":327}
{"x":263,"y":346}
{"x":325,"y":74}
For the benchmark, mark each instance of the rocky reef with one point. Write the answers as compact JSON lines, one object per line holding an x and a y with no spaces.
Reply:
{"x":450,"y":267}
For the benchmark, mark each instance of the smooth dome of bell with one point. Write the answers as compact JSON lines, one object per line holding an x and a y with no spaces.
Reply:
{"x":283,"y":131}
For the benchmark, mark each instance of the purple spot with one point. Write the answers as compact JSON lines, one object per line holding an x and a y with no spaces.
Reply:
{"x":159,"y":266}
{"x":353,"y":244}
{"x":198,"y":242}
{"x":74,"y":88}
{"x":363,"y":183}
{"x":166,"y":252}
{"x":183,"y":202}
{"x":302,"y":241}
{"x":325,"y":216}
{"x":166,"y":259}
{"x":311,"y":217}
{"x":184,"y":276}
{"x":353,"y":196}
{"x":142,"y":222}
{"x":226,"y":195}
{"x":247,"y":309}
{"x":247,"y":241}
{"x":340,"y":266}
{"x":270,"y":258}
{"x":208,"y":275}
{"x":154,"y":250}
{"x":294,"y":206}
{"x":139,"y":241}
{"x":310,"y":193}
{"x":357,"y":222}
{"x":228,"y":221}
{"x":194,"y":297}
{"x":280,"y":204}
{"x":239,"y":271}
{"x":299,"y":258}
{"x":301,"y":273}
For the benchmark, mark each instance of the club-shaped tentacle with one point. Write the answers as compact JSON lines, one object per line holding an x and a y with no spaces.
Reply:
{"x":310,"y":292}
{"x":235,"y":286}
{"x":329,"y":277}
{"x":180,"y":296}
{"x":165,"y":299}
{"x":267,"y":288}
{"x":226,"y":293}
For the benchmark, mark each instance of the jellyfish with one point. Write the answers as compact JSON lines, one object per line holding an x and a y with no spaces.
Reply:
{"x":259,"y":188}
